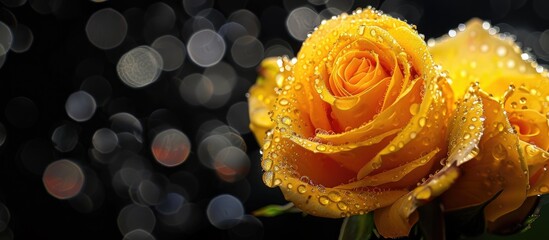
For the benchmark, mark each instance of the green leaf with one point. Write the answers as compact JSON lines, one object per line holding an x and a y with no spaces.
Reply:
{"x":275,"y":210}
{"x":468,"y":221}
{"x":357,"y":227}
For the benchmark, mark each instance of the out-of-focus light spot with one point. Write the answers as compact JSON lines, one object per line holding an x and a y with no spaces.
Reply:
{"x":126,"y":122}
{"x":106,"y":28}
{"x":200,"y":23}
{"x":140,"y":67}
{"x":341,"y":5}
{"x":206,"y":48}
{"x":192,"y":7}
{"x":225,"y":211}
{"x":65,"y":137}
{"x":5,"y":217}
{"x":138,"y":234}
{"x":3,"y":134}
{"x":98,"y":1}
{"x":278,"y":48}
{"x":217,"y":140}
{"x":13,"y":3}
{"x":232,"y":31}
{"x":249,"y":227}
{"x":159,"y":20}
{"x":63,"y":179}
{"x":213,"y":15}
{"x":6,"y":38}
{"x":133,"y":217}
{"x":248,"y":20}
{"x":22,"y":38}
{"x":21,"y":112}
{"x":184,"y":219}
{"x":172,"y":51}
{"x":544,"y":41}
{"x":231,"y":164}
{"x":98,"y":87}
{"x":104,"y":140}
{"x":171,"y":147}
{"x":196,"y":89}
{"x":80,"y":106}
{"x":247,"y":51}
{"x":237,"y":117}
{"x":301,"y":21}
{"x":223,"y":79}
{"x":171,"y":203}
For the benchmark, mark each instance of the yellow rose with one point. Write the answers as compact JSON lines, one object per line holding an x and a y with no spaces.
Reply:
{"x":515,"y":95}
{"x":360,"y":120}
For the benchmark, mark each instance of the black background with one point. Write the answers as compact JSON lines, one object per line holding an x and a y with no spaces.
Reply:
{"x":47,"y":74}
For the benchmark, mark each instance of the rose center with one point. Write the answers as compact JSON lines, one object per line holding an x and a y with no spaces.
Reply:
{"x":356,"y":72}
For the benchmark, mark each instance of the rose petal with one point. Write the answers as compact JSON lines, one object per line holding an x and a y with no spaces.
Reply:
{"x":478,"y":55}
{"x":498,"y":167}
{"x":537,"y":160}
{"x":397,"y":220}
{"x":262,"y":95}
{"x":282,"y":158}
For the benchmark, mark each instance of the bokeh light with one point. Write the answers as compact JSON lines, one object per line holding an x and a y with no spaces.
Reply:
{"x":172,"y":51}
{"x":6,"y":38}
{"x":206,"y":48}
{"x":63,"y":179}
{"x":105,"y":140}
{"x":225,"y":211}
{"x":133,"y":217}
{"x":5,"y":217}
{"x":140,"y":67}
{"x":65,"y":137}
{"x":80,"y":106}
{"x":22,"y":38}
{"x":106,"y":28}
{"x":171,"y":147}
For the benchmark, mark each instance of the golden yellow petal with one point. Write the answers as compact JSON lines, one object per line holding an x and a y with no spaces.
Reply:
{"x":498,"y":167}
{"x":314,"y":188}
{"x":262,"y":95}
{"x":479,"y":54}
{"x":397,"y":220}
{"x":538,"y":161}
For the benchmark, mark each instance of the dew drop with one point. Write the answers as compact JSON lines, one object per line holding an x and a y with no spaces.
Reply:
{"x":298,"y":86}
{"x":266,"y":145}
{"x":501,"y":51}
{"x":290,"y":186}
{"x":268,"y":179}
{"x":284,"y":102}
{"x":287,"y":120}
{"x":323,"y":200}
{"x":342,"y":206}
{"x":267,"y":164}
{"x":334,"y":196}
{"x":301,"y":189}
{"x":277,"y":182}
{"x":373,"y":33}
{"x":522,"y":100}
{"x":466,"y":136}
{"x":361,"y":29}
{"x":500,"y":127}
{"x":422,"y":121}
{"x":321,"y":147}
{"x":499,"y":152}
{"x":413,"y":135}
{"x":414,"y":108}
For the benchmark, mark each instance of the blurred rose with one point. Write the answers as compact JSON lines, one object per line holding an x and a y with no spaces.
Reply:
{"x":359,"y":121}
{"x":514,"y":91}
